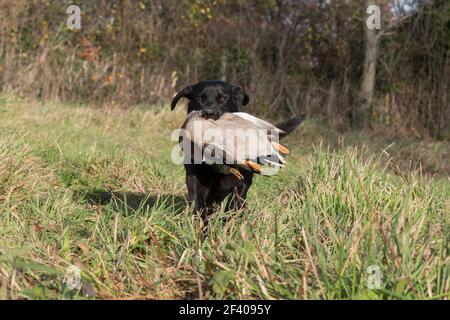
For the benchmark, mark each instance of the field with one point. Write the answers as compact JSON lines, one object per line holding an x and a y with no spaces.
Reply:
{"x":352,"y":216}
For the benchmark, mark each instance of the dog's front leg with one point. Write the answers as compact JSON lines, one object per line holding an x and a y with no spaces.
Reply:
{"x":200,"y":195}
{"x":239,"y":192}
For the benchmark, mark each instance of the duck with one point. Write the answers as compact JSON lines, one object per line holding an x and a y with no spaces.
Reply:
{"x":233,"y":142}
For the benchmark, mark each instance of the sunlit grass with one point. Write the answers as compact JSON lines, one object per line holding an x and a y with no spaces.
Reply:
{"x":95,"y":188}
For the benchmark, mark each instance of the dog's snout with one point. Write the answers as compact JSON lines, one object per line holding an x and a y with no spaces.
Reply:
{"x":210,"y":113}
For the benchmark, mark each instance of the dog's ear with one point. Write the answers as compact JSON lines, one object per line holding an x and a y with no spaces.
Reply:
{"x":186,"y":93}
{"x":238,"y":90}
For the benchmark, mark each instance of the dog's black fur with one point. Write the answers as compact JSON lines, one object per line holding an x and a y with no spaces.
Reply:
{"x":212,"y":98}
{"x":205,"y":185}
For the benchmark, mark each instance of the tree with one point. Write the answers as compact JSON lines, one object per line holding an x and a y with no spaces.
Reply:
{"x":372,"y":35}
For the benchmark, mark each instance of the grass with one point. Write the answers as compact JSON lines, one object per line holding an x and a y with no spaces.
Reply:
{"x":95,"y":188}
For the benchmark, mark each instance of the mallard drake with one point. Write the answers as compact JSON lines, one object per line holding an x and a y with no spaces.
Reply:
{"x":236,"y":140}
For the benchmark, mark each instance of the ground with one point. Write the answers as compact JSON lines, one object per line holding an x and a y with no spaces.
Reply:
{"x":352,"y":215}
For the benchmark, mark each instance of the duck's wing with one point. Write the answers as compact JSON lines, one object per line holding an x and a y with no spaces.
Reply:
{"x":252,"y":153}
{"x":259,"y":123}
{"x":252,"y":149}
{"x":214,"y":153}
{"x":192,"y":136}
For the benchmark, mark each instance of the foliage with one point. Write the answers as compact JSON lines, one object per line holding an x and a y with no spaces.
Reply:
{"x":290,"y":55}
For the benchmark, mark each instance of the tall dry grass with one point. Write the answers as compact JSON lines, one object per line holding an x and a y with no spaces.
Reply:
{"x":95,"y":188}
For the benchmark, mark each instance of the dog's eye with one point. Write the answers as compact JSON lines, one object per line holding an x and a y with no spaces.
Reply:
{"x":203,"y":98}
{"x":220,"y":99}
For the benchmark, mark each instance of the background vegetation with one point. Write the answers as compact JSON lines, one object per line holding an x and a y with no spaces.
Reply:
{"x":292,"y":56}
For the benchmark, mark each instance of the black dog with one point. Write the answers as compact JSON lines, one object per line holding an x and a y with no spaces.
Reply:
{"x":205,"y":185}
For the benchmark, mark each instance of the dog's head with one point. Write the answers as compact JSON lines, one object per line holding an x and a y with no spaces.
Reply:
{"x":213,"y":98}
